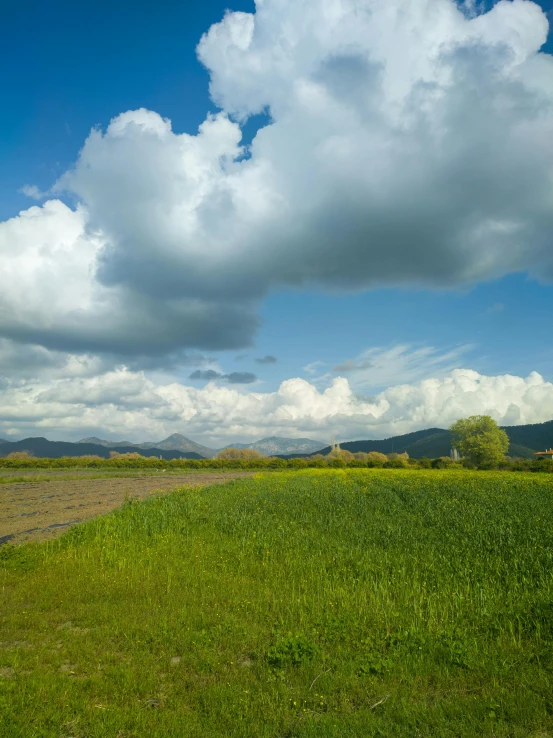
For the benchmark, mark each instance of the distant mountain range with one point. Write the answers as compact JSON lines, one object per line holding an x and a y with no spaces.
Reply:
{"x":174,"y":447}
{"x":432,"y":442}
{"x":42,"y":448}
{"x":272,"y":446}
{"x":176,"y":442}
{"x":275,"y":446}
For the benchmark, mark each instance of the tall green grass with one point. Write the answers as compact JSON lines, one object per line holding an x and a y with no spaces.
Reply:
{"x":310,"y":604}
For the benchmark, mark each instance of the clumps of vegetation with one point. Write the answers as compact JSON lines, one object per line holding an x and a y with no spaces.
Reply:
{"x":291,"y":651}
{"x":129,"y":455}
{"x":373,"y":460}
{"x":323,"y":603}
{"x":242,"y":454}
{"x":20,"y":455}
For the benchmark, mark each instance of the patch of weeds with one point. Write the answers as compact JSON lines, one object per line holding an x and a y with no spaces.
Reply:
{"x":539,"y":620}
{"x":448,"y":648}
{"x":291,"y":651}
{"x":494,"y":711}
{"x":19,"y":558}
{"x":335,"y":628}
{"x":313,"y":703}
{"x":374,"y":665}
{"x":452,"y":649}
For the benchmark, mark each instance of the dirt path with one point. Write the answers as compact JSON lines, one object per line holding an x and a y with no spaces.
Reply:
{"x":38,"y":510}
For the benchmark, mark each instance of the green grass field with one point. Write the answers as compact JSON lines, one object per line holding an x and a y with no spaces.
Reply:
{"x":321,"y":604}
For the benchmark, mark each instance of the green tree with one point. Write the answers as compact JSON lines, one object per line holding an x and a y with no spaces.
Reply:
{"x":480,"y":440}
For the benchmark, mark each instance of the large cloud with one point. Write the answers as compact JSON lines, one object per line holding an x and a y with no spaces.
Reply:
{"x":125,"y":403}
{"x":409,"y":143}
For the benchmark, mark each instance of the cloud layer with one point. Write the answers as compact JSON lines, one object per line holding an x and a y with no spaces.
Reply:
{"x":408,"y":143}
{"x":208,"y":375}
{"x":126,"y":404}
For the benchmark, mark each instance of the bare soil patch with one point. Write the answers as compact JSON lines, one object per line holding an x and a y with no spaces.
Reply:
{"x":39,"y":510}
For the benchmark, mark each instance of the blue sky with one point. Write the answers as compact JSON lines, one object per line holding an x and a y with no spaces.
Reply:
{"x":75,"y":66}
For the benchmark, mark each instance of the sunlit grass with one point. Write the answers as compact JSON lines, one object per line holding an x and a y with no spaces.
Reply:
{"x":322,"y":603}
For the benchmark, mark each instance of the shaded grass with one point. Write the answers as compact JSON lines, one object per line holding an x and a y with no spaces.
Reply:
{"x":331,"y":603}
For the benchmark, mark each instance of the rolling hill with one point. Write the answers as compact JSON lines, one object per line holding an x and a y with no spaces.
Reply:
{"x":41,"y":447}
{"x":525,"y":441}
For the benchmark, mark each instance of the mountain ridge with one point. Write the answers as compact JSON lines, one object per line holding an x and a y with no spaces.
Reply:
{"x":43,"y":448}
{"x":525,"y":440}
{"x":174,"y":442}
{"x":268,"y":446}
{"x":279,"y":445}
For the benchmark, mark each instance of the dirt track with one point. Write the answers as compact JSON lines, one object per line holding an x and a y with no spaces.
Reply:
{"x":33,"y":510}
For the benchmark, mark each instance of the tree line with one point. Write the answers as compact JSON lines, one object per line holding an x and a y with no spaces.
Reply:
{"x":480,"y":442}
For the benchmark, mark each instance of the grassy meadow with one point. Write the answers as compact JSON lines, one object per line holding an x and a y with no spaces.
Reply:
{"x":320,"y":604}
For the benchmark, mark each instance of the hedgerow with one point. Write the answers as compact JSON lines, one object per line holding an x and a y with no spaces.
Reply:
{"x":264,"y":463}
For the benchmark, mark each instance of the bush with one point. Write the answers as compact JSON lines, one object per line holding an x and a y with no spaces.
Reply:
{"x":245,"y":454}
{"x":298,"y":463}
{"x":357,"y":464}
{"x":376,"y":459}
{"x":396,"y":464}
{"x":128,"y":455}
{"x":22,"y":460}
{"x":318,"y":463}
{"x":542,"y":465}
{"x":341,"y":453}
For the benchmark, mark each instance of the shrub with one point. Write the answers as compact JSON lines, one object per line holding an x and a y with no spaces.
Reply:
{"x":319,"y":463}
{"x":376,"y":459}
{"x":341,"y":453}
{"x":245,"y":454}
{"x":357,"y":463}
{"x":442,"y":462}
{"x":298,"y":463}
{"x":397,"y":463}
{"x":128,"y":455}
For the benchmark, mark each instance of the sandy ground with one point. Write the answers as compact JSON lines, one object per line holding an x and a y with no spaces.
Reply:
{"x":38,"y":510}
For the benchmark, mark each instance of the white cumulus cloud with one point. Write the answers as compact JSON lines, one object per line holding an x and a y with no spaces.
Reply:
{"x":126,"y":403}
{"x":408,"y":143}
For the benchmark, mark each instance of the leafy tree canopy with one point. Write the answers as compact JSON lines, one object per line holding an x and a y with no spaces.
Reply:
{"x":480,"y":440}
